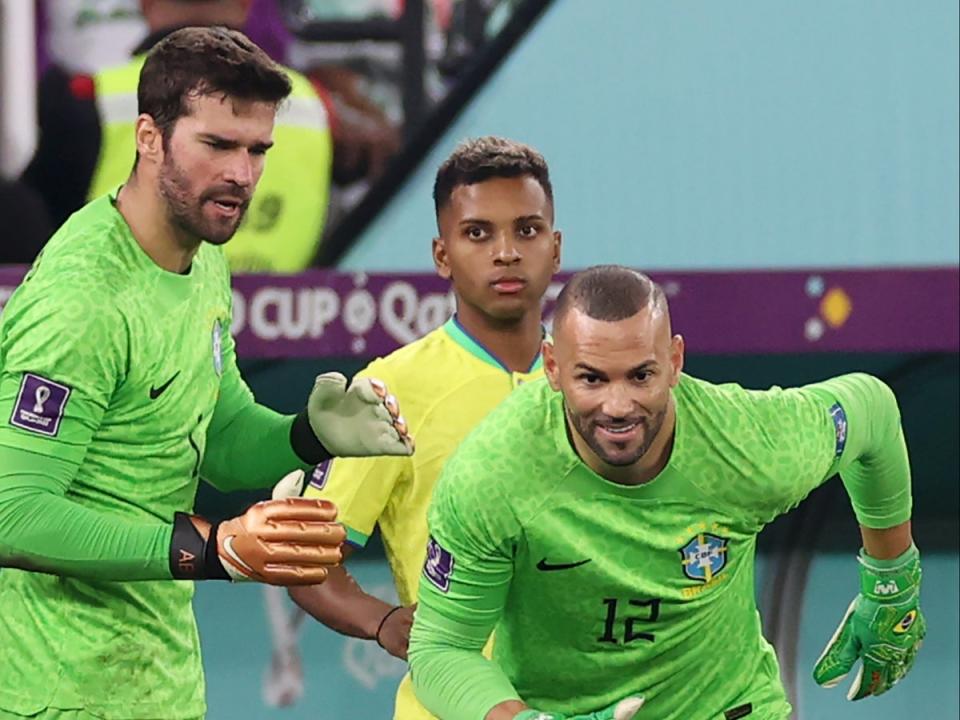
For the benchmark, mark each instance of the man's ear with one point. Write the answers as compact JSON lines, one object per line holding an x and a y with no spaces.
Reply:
{"x":550,"y":367}
{"x":676,"y":359}
{"x":440,"y":258}
{"x":149,"y":139}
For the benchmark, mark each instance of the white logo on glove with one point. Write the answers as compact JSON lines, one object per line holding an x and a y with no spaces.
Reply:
{"x":886,"y":588}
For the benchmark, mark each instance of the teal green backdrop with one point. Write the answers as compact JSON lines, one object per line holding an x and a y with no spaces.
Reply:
{"x":745,"y":133}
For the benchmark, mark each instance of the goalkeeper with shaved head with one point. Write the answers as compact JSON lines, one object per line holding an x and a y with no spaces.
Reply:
{"x":604,"y":521}
{"x":119,"y":391}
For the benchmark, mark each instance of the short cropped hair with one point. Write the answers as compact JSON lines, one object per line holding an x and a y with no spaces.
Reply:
{"x":609,"y":293}
{"x":199,"y":61}
{"x":479,"y":159}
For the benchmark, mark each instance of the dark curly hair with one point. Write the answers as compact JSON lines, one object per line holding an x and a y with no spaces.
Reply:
{"x":480,"y":159}
{"x":197,"y":61}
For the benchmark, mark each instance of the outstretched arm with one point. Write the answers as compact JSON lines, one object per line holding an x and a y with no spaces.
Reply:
{"x":249,"y":445}
{"x":462,"y":596}
{"x":883,"y":625}
{"x":43,"y":530}
{"x":343,"y":606}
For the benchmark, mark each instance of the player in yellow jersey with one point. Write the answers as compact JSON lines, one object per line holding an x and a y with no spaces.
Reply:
{"x":498,"y":248}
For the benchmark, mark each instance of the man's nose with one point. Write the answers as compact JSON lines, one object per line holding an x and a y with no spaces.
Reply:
{"x":505,"y":250}
{"x":617,"y":402}
{"x":240,"y":170}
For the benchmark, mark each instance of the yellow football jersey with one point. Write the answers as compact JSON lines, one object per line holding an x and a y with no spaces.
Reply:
{"x":446,"y":383}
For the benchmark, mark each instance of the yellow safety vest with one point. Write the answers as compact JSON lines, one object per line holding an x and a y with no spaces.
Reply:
{"x":282,"y":228}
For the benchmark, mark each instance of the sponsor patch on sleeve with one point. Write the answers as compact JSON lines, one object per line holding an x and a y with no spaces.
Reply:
{"x":439,"y":565}
{"x":40,"y":405}
{"x":840,"y":426}
{"x":318,"y":478}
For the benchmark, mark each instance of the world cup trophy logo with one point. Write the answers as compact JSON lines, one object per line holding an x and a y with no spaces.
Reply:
{"x":40,"y":395}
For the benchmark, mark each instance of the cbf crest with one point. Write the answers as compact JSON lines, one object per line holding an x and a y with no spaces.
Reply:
{"x":217,"y":343}
{"x":704,"y":556}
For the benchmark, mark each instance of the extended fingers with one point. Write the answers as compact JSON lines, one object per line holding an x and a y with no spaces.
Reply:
{"x":299,"y":509}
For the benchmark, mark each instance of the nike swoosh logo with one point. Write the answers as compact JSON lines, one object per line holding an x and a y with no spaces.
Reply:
{"x":156,"y":392}
{"x":547,"y":567}
{"x":235,"y":564}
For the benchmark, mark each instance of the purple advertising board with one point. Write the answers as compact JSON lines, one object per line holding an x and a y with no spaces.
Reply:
{"x":324,"y":313}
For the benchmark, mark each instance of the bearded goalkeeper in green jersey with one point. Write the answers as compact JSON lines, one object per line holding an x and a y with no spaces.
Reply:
{"x":605,"y":521}
{"x":119,"y":390}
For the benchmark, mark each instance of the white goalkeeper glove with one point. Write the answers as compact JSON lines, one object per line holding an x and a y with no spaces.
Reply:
{"x":357,"y":421}
{"x":288,"y":541}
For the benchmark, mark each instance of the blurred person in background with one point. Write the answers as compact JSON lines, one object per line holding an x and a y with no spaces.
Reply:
{"x":24,"y":216}
{"x":364,"y":137}
{"x":498,"y":247}
{"x":119,"y":380}
{"x":86,"y":145}
{"x":364,"y":81}
{"x":84,"y":36}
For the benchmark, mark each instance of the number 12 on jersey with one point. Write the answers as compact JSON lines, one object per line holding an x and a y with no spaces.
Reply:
{"x":630,"y":622}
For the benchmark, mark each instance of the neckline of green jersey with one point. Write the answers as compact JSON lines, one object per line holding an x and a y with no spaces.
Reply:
{"x":565,"y":447}
{"x":138,"y":248}
{"x":464,"y":339}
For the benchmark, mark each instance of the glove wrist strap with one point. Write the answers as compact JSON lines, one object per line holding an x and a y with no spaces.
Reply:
{"x":187,"y":549}
{"x":889,"y":581}
{"x":304,"y":441}
{"x":193,"y":556}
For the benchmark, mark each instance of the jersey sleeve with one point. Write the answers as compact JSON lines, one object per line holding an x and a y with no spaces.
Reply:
{"x":248,"y":445}
{"x":871,"y":451}
{"x":43,"y":530}
{"x":64,"y":352}
{"x":63,"y":355}
{"x":361,"y":487}
{"x":463,"y":589}
{"x":849,"y":424}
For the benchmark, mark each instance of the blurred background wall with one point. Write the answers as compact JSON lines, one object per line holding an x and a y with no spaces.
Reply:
{"x":744,"y":134}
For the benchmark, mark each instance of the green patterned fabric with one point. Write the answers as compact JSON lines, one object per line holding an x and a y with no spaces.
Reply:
{"x":113,"y":365}
{"x":54,"y":714}
{"x":600,"y":591}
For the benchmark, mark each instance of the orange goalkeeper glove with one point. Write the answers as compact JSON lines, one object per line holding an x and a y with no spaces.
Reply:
{"x":289,"y":541}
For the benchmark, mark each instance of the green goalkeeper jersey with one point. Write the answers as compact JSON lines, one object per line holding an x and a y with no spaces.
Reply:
{"x":599,"y":590}
{"x":118,"y":367}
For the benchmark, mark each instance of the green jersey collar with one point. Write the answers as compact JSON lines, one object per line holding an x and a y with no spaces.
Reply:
{"x":465,"y":340}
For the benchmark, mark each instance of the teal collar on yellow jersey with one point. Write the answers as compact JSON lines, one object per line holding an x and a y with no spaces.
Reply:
{"x":465,"y":340}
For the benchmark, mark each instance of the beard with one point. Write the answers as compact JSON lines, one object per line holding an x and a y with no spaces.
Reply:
{"x":586,"y":428}
{"x":185,"y":207}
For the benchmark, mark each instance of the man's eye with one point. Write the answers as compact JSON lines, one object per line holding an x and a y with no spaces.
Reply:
{"x":529,"y":231}
{"x":589,"y":378}
{"x":476,"y":233}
